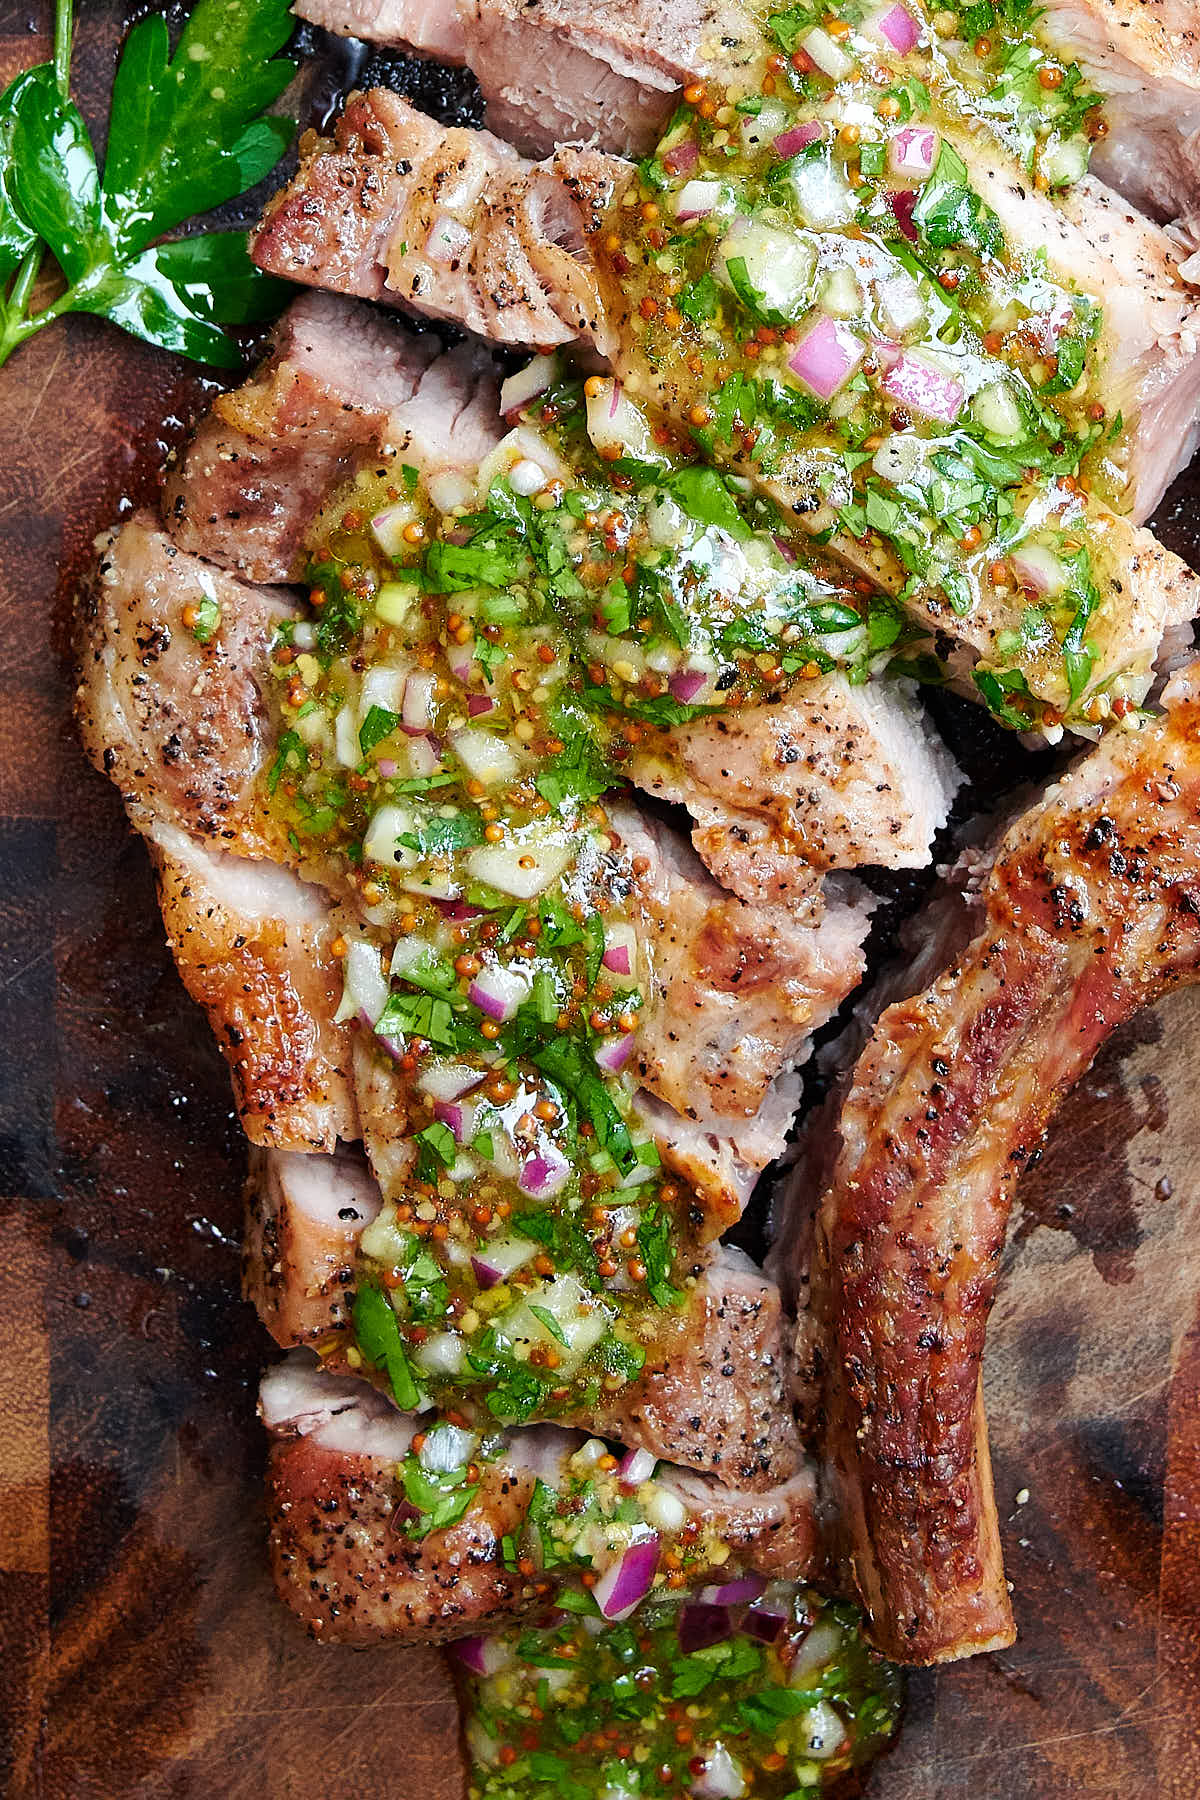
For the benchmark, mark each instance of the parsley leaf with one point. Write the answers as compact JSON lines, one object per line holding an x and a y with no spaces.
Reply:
{"x":377,"y":1333}
{"x":378,"y":724}
{"x":441,"y":1497}
{"x":950,"y":212}
{"x":654,"y":1242}
{"x":184,"y":136}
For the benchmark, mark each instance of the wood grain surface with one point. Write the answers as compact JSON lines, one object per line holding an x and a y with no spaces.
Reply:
{"x":143,"y":1654}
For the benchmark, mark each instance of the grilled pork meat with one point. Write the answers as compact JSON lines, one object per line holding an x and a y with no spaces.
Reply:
{"x":183,"y":727}
{"x":344,"y":1565}
{"x":1152,"y":373}
{"x":252,"y":944}
{"x":179,"y":725}
{"x":430,"y":27}
{"x":713,"y":1394}
{"x":1146,"y":59}
{"x":344,"y":389}
{"x":412,"y":184}
{"x":1091,"y":909}
{"x":733,"y":995}
{"x":561,"y":71}
{"x":449,"y":222}
{"x":832,"y":776}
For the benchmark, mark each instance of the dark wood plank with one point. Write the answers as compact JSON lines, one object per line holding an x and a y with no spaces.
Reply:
{"x":144,"y":1654}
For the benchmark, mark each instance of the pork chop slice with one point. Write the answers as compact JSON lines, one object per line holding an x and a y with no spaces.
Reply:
{"x":252,"y":943}
{"x":735,"y":988}
{"x":1091,"y":909}
{"x":449,"y":222}
{"x":547,"y":287}
{"x":713,"y":1394}
{"x":430,"y":27}
{"x":1146,"y":60}
{"x":1099,"y":243}
{"x":268,"y":453}
{"x":178,"y":720}
{"x":344,"y":1564}
{"x":830,"y":776}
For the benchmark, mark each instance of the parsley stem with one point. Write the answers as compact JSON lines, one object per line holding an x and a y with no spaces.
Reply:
{"x":63,"y":27}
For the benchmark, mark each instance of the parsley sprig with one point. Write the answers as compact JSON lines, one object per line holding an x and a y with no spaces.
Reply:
{"x":186,"y":134}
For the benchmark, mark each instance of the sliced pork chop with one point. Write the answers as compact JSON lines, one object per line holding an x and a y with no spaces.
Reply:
{"x":735,"y":989}
{"x":1098,"y":243}
{"x":304,"y":1217}
{"x":430,"y":27}
{"x":1091,"y":910}
{"x":344,"y":389}
{"x":831,"y":776}
{"x":345,"y":1567}
{"x":253,"y":945}
{"x":268,"y":453}
{"x":1146,"y":59}
{"x":179,"y":725}
{"x":450,"y":222}
{"x":714,"y":1394}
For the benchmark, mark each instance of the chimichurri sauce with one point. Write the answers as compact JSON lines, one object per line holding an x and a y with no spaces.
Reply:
{"x":808,"y":283}
{"x":775,"y":1696}
{"x":480,"y":661}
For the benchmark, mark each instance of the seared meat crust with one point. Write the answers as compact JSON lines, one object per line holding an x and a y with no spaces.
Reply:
{"x":343,"y":1565}
{"x":1091,"y":910}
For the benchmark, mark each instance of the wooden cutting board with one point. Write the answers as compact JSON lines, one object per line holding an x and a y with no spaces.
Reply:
{"x":143,"y":1654}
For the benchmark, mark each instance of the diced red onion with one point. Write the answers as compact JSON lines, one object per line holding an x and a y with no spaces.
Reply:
{"x":387,"y":768}
{"x":612,"y":1053}
{"x":734,"y":1593}
{"x":423,"y":756}
{"x":682,"y":158}
{"x":544,"y":1173}
{"x":897,"y":27}
{"x":479,"y":704}
{"x":796,"y":138}
{"x":636,"y":1466}
{"x":701,"y":1625}
{"x":449,"y":488}
{"x":448,"y":1080}
{"x":1038,"y":568}
{"x":627,"y":1581}
{"x":482,"y":1655}
{"x":526,"y":384}
{"x":458,"y":911}
{"x":459,"y":1116}
{"x":911,"y":153}
{"x":902,"y":204}
{"x":416,"y":714}
{"x":365,"y":989}
{"x":826,"y":357}
{"x":687,"y":684}
{"x":498,"y":992}
{"x":616,"y":957}
{"x":763,"y":1623}
{"x":447,"y":239}
{"x":486,"y":1274}
{"x":925,"y":389}
{"x":721,"y":1777}
{"x":387,"y":527}
{"x":461,"y":658}
{"x":484,"y":754}
{"x":696,"y":199}
{"x":614,"y":422}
